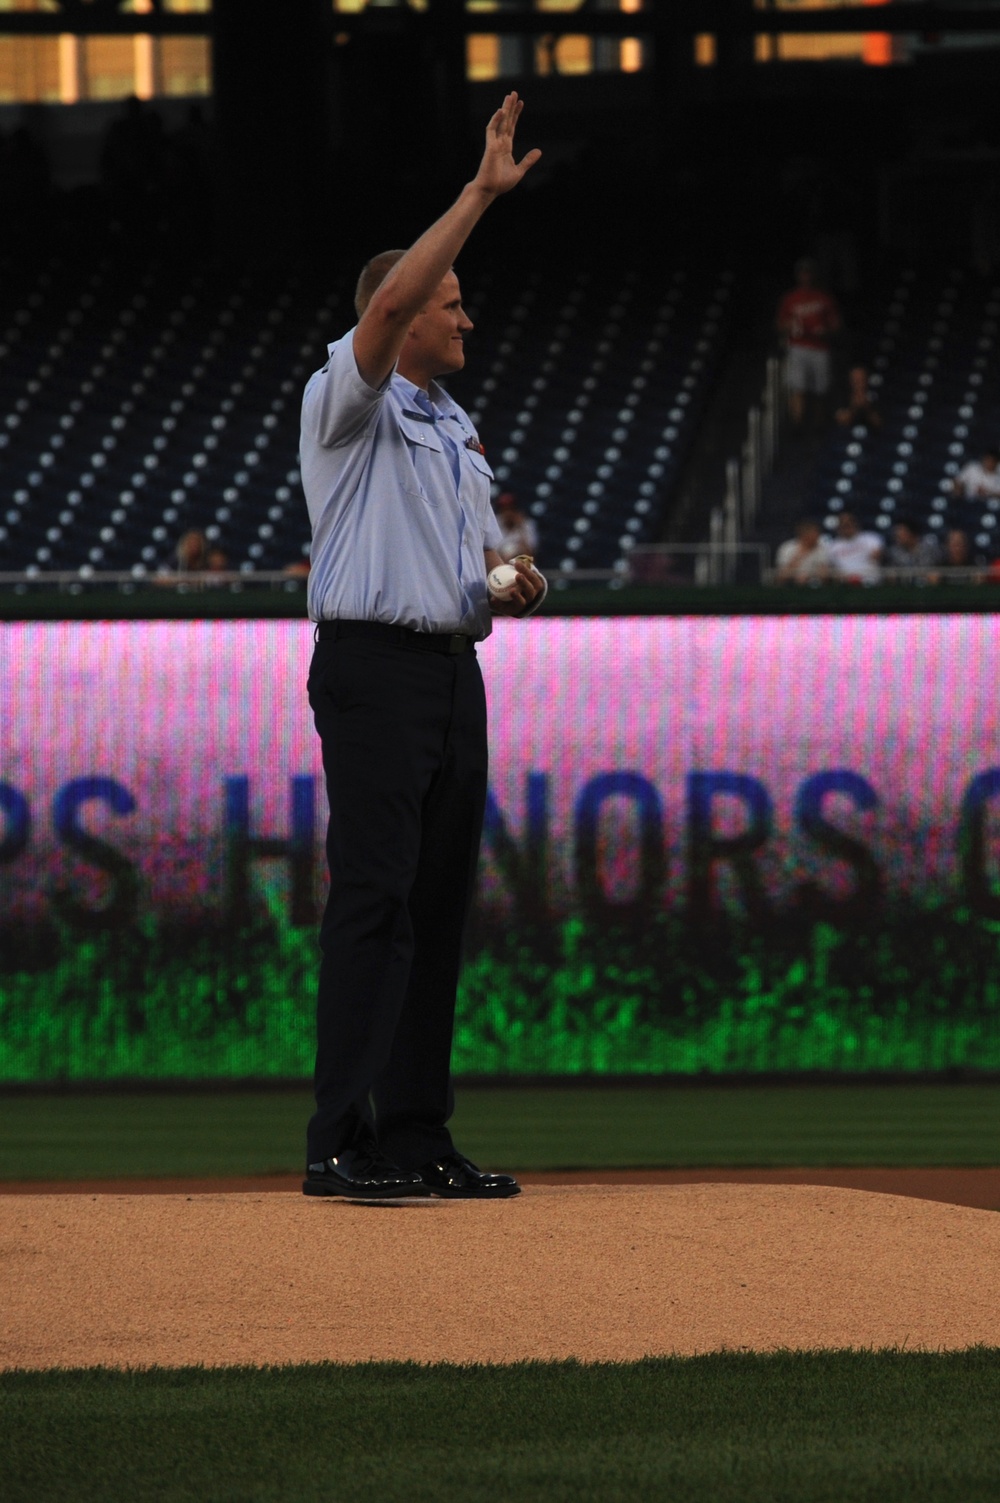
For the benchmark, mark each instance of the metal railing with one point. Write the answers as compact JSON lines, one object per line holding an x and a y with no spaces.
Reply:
{"x":75,"y":581}
{"x":763,"y":441}
{"x":746,"y":473}
{"x":709,"y":562}
{"x":713,"y":562}
{"x":933,"y":574}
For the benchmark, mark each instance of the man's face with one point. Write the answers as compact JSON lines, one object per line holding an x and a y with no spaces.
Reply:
{"x":808,"y":535}
{"x":435,"y":337}
{"x":847,"y":526}
{"x":905,"y":536}
{"x":989,"y":462}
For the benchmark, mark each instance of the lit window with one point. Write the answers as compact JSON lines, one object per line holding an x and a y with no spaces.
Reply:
{"x":68,"y":68}
{"x":482,"y":53}
{"x":798,"y":47}
{"x":562,"y":54}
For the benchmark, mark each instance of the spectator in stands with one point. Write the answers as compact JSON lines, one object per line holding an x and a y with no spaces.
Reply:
{"x":860,"y":406}
{"x":908,"y":550}
{"x":808,"y":319}
{"x":957,"y":550}
{"x":195,"y":555}
{"x":980,"y":478}
{"x":520,"y":535}
{"x":192,"y":553}
{"x":805,"y":558}
{"x":956,"y":554}
{"x":855,"y":556}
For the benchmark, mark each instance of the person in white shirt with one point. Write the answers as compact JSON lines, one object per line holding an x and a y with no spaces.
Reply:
{"x":855,"y":556}
{"x":980,"y":478}
{"x":805,"y":558}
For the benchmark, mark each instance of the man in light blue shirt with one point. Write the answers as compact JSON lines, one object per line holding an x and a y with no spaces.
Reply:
{"x":398,"y":492}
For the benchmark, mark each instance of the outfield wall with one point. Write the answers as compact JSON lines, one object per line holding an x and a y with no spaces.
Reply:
{"x":722,"y":844}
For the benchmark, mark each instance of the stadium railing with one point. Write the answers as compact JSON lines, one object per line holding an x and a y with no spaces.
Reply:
{"x":650,"y":563}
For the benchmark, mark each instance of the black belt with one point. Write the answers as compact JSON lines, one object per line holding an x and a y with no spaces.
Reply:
{"x":403,"y":636}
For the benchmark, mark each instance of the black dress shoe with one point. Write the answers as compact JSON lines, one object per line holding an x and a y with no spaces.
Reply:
{"x":456,"y":1178}
{"x":361,"y":1173}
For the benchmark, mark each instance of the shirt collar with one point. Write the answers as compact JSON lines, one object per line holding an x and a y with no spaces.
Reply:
{"x":434,"y":402}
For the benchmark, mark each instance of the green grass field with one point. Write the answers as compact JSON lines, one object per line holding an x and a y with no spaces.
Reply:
{"x":731,"y":1428}
{"x":259,"y":1132}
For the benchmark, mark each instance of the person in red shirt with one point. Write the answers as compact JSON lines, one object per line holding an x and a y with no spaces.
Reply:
{"x":808,"y":318}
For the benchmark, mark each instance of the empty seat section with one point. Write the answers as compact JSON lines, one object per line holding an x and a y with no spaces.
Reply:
{"x":136,"y":404}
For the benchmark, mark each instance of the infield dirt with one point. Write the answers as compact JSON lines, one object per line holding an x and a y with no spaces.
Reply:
{"x":960,"y":1186}
{"x":598,"y":1272}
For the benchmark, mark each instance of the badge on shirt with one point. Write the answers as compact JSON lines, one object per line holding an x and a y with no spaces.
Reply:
{"x":472,"y":442}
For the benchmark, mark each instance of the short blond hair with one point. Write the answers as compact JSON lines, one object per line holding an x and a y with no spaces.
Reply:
{"x":373,"y":274}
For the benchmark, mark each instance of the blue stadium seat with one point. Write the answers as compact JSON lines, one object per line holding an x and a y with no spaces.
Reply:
{"x":138,"y":405}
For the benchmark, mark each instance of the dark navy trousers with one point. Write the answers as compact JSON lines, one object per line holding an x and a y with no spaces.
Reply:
{"x":404,"y":752}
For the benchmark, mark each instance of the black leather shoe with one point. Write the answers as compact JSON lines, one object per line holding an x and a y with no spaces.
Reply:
{"x":456,"y":1178}
{"x":361,"y":1173}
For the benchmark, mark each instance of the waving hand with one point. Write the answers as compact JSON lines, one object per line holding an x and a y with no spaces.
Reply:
{"x":498,"y":171}
{"x":383,"y":325}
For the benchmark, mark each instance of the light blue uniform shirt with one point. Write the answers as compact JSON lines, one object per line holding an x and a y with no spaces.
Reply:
{"x":399,"y":500}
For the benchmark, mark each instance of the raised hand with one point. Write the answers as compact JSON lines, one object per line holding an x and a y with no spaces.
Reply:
{"x":498,"y":171}
{"x":382,"y":329}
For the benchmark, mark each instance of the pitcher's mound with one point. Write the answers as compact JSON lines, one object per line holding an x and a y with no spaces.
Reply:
{"x":595,"y":1272}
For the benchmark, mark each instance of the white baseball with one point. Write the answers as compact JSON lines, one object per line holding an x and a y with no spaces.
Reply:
{"x":502,"y":581}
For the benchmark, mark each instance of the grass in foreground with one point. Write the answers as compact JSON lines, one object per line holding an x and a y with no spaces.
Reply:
{"x":730,"y":1428}
{"x":259,"y":1132}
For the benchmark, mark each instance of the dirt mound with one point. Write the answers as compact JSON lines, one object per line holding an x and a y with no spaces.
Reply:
{"x":596,"y":1272}
{"x":961,"y":1186}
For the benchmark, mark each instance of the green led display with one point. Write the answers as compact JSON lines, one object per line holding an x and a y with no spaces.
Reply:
{"x":918,"y":992}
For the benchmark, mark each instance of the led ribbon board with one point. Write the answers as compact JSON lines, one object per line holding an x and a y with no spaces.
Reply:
{"x":725,"y":844}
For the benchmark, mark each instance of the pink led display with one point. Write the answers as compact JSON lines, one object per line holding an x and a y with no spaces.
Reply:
{"x":619,"y":732}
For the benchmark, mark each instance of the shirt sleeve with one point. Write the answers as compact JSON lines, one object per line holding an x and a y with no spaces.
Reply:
{"x":338,"y":403}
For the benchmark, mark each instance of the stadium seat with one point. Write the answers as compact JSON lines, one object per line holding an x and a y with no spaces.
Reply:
{"x":138,"y":405}
{"x":936,"y":377}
